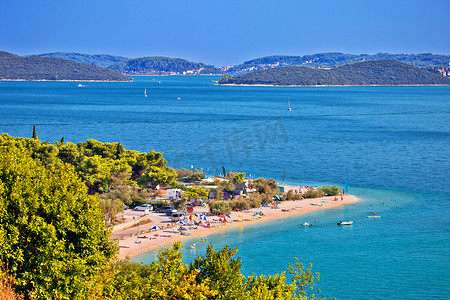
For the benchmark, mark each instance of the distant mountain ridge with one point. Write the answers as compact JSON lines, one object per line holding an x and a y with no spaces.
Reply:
{"x":372,"y":72}
{"x":14,"y":67}
{"x":101,"y":60}
{"x":159,"y":65}
{"x":334,"y":59}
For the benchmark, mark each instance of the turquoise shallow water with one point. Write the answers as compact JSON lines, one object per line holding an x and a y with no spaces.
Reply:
{"x":391,"y":142}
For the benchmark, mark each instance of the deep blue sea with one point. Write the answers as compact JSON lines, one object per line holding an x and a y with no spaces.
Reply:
{"x":392,"y":143}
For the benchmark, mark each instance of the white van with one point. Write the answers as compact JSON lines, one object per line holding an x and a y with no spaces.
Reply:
{"x":178,"y":216}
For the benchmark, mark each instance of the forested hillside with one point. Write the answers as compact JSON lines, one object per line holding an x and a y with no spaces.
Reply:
{"x":101,"y":60}
{"x":380,"y":72}
{"x":14,"y":67}
{"x":334,"y":59}
{"x":157,"y":65}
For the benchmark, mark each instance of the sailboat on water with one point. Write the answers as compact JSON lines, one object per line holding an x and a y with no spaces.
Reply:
{"x":145,"y":92}
{"x":289,"y":104}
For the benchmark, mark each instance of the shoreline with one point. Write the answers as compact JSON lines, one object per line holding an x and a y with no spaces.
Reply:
{"x":63,"y":80}
{"x":322,"y":85}
{"x":131,"y":245}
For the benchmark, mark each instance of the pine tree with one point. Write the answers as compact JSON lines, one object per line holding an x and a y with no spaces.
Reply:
{"x":34,"y":132}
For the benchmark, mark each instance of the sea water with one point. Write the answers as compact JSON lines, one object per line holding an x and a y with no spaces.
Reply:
{"x":391,"y":143}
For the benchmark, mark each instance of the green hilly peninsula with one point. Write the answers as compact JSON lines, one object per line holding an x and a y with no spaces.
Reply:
{"x":376,"y":72}
{"x":101,"y":60}
{"x":158,"y":65}
{"x":14,"y":67}
{"x":334,"y":59}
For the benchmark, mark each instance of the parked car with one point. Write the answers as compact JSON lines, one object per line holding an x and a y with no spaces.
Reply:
{"x":162,"y":209}
{"x":169,"y":212}
{"x":178,"y":216}
{"x":143,"y":207}
{"x":189,"y":208}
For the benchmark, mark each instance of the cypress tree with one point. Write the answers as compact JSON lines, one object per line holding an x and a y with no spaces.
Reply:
{"x":62,"y":141}
{"x":34,"y":132}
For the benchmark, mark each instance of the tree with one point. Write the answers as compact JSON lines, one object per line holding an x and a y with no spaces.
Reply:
{"x":52,"y":235}
{"x":195,"y":192}
{"x":330,"y":190}
{"x":265,"y":186}
{"x":158,"y":176}
{"x":166,"y":278}
{"x":238,"y":178}
{"x":34,"y":132}
{"x":222,"y":271}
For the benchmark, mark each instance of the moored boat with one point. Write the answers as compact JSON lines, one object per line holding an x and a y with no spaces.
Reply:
{"x":346,"y":223}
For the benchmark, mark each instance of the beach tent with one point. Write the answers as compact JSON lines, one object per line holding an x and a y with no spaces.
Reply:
{"x":203,"y":217}
{"x":156,"y":227}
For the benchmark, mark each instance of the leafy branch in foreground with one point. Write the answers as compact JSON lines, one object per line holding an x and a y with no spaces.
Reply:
{"x":217,"y":275}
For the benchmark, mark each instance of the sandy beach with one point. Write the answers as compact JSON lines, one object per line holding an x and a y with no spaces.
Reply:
{"x":132,"y":244}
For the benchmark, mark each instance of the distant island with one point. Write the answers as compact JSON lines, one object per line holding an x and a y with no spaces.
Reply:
{"x":100,"y":60}
{"x":376,"y":72}
{"x":158,"y":65}
{"x":334,"y":59}
{"x":14,"y":67}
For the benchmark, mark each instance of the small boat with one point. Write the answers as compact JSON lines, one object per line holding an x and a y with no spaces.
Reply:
{"x":374,"y":216}
{"x":289,"y":104}
{"x":193,"y":246}
{"x":306,"y":224}
{"x":203,"y":240}
{"x":316,"y":204}
{"x":80,"y":85}
{"x":178,"y":98}
{"x":346,"y":223}
{"x":145,"y":93}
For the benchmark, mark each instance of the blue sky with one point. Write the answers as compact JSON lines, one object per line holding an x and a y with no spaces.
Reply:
{"x":224,"y":32}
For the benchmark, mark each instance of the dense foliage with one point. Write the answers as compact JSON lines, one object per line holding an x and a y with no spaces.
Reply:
{"x":101,"y":166}
{"x":380,"y":72}
{"x":101,"y":60}
{"x":52,"y":237}
{"x":54,"y":243}
{"x":217,"y":275}
{"x":14,"y":67}
{"x":188,"y":175}
{"x":162,"y":65}
{"x":333,"y":59}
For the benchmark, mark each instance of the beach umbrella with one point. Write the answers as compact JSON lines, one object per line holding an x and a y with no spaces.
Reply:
{"x":203,"y":217}
{"x":156,"y":227}
{"x":222,"y":216}
{"x":180,"y":222}
{"x":240,"y":216}
{"x":228,"y":216}
{"x":197,"y":214}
